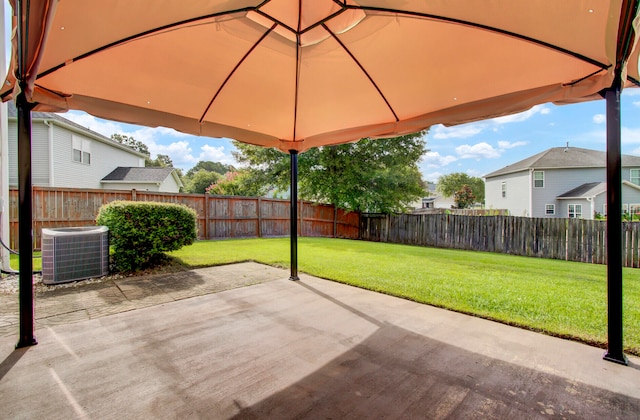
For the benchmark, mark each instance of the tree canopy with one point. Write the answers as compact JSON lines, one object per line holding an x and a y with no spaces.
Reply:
{"x":464,"y":197}
{"x":371,"y":175}
{"x":161,"y":161}
{"x":136,"y":145}
{"x":235,"y":183}
{"x":200,"y":181}
{"x":449,"y":184}
{"x":210,"y":166}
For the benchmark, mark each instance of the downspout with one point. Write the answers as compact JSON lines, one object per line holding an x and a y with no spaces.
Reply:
{"x":530,"y":193}
{"x":49,"y":124}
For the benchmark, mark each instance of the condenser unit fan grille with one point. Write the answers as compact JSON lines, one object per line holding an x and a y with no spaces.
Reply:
{"x":70,"y":254}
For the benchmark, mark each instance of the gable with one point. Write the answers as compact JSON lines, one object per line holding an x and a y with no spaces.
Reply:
{"x":564,"y":158}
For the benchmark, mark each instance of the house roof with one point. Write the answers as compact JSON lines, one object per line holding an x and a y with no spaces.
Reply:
{"x":564,"y":157}
{"x":12,"y":113}
{"x":593,"y":189}
{"x":590,"y":189}
{"x":128,"y":174}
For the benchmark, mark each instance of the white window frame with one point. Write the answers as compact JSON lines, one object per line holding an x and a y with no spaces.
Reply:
{"x":548,"y":207}
{"x":634,"y":179}
{"x":80,"y":150}
{"x":576,"y":214}
{"x":541,"y":180}
{"x":503,"y":189}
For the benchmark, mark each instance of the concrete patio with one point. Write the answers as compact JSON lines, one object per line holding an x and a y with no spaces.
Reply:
{"x":243,"y":341}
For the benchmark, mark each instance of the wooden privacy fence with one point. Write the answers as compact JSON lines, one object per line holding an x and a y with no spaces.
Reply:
{"x":218,"y":216}
{"x":564,"y":239}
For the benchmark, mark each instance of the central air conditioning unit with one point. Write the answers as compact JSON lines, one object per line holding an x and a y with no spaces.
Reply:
{"x":75,"y":253}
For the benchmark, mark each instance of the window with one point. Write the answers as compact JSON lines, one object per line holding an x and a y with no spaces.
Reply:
{"x":634,"y":209}
{"x":550,"y":209}
{"x":575,"y":211}
{"x":81,"y":150}
{"x":504,"y":189}
{"x":634,"y":176}
{"x":538,"y":179}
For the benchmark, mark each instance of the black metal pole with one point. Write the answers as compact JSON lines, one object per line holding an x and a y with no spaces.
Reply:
{"x":25,"y":217}
{"x":614,"y":227}
{"x":294,"y":214}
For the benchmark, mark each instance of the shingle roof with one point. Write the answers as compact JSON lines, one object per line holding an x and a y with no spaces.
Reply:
{"x":143,"y":175}
{"x":564,"y":157}
{"x":590,"y":189}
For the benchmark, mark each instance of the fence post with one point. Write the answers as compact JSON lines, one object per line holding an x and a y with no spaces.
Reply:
{"x":206,"y":216}
{"x":335,"y":221}
{"x":259,"y":214}
{"x":133,"y":194}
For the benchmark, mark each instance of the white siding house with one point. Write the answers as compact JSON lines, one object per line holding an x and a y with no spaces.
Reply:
{"x":67,"y":155}
{"x":560,"y":182}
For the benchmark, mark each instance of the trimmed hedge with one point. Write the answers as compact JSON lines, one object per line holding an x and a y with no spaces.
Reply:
{"x":142,"y":231}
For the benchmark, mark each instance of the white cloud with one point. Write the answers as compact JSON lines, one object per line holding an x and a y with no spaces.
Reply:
{"x":432,"y":176}
{"x":599,"y":118}
{"x":104,"y":127}
{"x":477,"y":151}
{"x":215,"y":154}
{"x":523,"y":116}
{"x":503,"y":145}
{"x":435,"y":160}
{"x":630,"y":135}
{"x":630,"y":92}
{"x":457,"y":132}
{"x":636,"y":103}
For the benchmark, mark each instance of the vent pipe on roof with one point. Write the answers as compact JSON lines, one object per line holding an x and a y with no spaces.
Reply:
{"x":566,"y":148}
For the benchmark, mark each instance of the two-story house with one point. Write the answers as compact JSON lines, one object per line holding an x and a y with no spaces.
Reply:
{"x":561,"y":182}
{"x":67,"y":155}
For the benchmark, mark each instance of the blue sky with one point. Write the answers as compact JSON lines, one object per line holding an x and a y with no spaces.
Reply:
{"x":476,"y":148}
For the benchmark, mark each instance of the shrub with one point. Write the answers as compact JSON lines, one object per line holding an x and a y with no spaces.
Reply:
{"x":139,"y":232}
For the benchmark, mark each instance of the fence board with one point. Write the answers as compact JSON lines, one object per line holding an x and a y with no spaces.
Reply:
{"x":217,"y":216}
{"x":566,"y":239}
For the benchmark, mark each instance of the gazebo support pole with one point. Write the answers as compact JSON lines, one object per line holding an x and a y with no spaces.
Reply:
{"x":294,"y":215}
{"x":25,"y":219}
{"x":614,"y":227}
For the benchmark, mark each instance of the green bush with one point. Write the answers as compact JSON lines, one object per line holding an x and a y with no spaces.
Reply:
{"x":139,"y":232}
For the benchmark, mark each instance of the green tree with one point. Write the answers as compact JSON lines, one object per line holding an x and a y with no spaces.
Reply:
{"x":236,"y":183}
{"x":199,"y":182}
{"x":449,"y":184}
{"x":161,"y":161}
{"x":210,"y":166}
{"x":371,"y":175}
{"x":464,"y":197}
{"x":131,"y":142}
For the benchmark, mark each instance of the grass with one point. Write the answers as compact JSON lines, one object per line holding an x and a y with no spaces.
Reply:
{"x":560,"y":298}
{"x":14,"y":261}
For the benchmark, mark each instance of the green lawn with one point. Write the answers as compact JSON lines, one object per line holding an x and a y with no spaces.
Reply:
{"x":560,"y":298}
{"x":37,"y":261}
